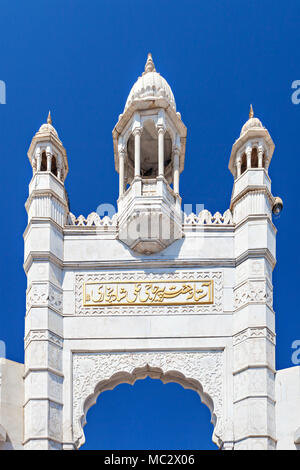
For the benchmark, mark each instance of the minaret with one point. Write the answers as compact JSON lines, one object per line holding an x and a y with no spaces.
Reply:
{"x":252,"y":204}
{"x":47,"y":209}
{"x":149,"y":148}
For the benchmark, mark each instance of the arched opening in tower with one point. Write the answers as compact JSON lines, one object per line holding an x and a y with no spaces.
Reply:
{"x":44,"y":162}
{"x":149,"y":415}
{"x":149,"y":153}
{"x":244,"y":163}
{"x":254,"y":158}
{"x":53,"y":166}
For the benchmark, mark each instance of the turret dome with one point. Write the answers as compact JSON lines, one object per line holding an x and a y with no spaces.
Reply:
{"x":151,"y":86}
{"x":252,"y":123}
{"x":46,"y":128}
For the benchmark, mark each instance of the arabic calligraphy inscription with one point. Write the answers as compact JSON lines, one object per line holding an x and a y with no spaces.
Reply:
{"x":173,"y":292}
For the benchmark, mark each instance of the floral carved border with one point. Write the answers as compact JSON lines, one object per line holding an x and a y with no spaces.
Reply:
{"x":217,"y":306}
{"x":95,"y":372}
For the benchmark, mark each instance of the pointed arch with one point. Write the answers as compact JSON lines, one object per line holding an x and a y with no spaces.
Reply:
{"x":94,"y":373}
{"x":53,"y":166}
{"x":243,"y":163}
{"x":44,"y":162}
{"x":254,"y":157}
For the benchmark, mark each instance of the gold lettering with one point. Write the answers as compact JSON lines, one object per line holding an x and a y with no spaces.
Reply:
{"x":147,"y":293}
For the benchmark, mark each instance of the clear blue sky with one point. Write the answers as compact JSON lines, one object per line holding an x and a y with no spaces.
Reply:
{"x":80,"y":59}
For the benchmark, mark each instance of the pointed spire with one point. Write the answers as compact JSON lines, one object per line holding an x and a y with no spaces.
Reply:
{"x":49,"y":119}
{"x":251,"y":112}
{"x":149,"y":67}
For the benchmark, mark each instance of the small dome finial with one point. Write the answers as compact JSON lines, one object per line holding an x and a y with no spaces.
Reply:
{"x":251,"y":112}
{"x":49,"y":119}
{"x":149,"y":67}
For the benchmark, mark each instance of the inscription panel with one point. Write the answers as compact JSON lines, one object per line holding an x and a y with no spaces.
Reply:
{"x":148,"y":293}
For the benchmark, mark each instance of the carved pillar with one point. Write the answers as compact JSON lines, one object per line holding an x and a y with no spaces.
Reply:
{"x":121,"y":171}
{"x":238,"y":166}
{"x":161,"y":134}
{"x":248,"y":154}
{"x":176,"y":170}
{"x":137,"y":151}
{"x":38,"y":157}
{"x":49,"y":158}
{"x":59,"y":171}
{"x":260,"y":156}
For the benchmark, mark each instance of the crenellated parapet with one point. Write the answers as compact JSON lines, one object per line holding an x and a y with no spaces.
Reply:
{"x":206,"y":218}
{"x":92,"y":220}
{"x":203,"y":218}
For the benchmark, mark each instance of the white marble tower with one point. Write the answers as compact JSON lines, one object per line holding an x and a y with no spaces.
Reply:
{"x":152,"y":291}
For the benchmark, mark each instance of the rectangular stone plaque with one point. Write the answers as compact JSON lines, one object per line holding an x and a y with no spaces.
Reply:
{"x":175,"y":292}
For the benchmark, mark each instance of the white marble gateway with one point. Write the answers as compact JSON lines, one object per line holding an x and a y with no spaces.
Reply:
{"x":150,"y":291}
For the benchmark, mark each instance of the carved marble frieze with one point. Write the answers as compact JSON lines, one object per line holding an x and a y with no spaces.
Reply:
{"x":259,"y":332}
{"x":43,"y":294}
{"x":253,"y":291}
{"x":43,"y":335}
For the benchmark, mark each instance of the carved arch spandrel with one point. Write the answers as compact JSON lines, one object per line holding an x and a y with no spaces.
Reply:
{"x":94,"y":373}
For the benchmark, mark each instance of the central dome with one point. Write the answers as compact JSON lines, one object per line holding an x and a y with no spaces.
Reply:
{"x":151,"y":86}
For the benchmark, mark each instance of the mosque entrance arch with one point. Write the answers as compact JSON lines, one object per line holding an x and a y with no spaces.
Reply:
{"x":95,"y":373}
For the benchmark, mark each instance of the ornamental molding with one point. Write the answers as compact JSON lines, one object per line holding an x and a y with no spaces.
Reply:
{"x":251,"y":191}
{"x":202,"y":371}
{"x":216,"y":306}
{"x":45,"y":193}
{"x":44,"y":294}
{"x":258,"y":268}
{"x":253,"y":291}
{"x":249,"y":333}
{"x":43,"y":335}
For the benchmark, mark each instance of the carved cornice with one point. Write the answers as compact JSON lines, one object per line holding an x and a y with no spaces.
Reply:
{"x":151,"y":263}
{"x":37,"y":193}
{"x":41,"y":256}
{"x":40,"y":221}
{"x":257,"y":253}
{"x":252,"y":189}
{"x":51,"y":370}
